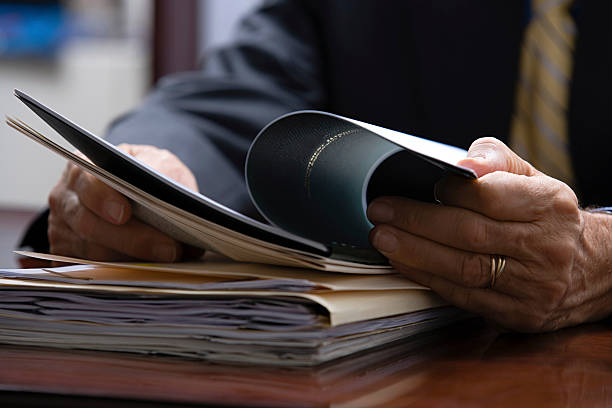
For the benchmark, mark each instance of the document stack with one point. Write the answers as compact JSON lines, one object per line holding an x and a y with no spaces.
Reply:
{"x":217,"y":310}
{"x":303,"y":288}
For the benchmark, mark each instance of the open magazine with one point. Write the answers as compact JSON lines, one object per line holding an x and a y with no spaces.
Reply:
{"x":311,"y":175}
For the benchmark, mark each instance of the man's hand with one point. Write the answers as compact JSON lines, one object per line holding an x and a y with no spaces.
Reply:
{"x":558,"y":260}
{"x":90,"y":220}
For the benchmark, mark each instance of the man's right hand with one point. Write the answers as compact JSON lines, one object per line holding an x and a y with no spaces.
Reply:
{"x":90,"y":220}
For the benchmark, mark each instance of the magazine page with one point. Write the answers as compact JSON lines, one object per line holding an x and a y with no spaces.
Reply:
{"x":138,"y":174}
{"x":313,"y":174}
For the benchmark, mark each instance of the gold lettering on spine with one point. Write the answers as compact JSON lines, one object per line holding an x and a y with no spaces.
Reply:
{"x":318,"y":152}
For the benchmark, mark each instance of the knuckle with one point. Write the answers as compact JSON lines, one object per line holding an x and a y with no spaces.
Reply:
{"x":143,"y":248}
{"x":565,"y":203}
{"x":74,"y":172}
{"x":56,"y":196}
{"x":539,"y":191}
{"x":473,"y":270}
{"x":54,"y":200}
{"x":464,"y":298}
{"x":406,"y":219}
{"x":458,"y":296}
{"x":539,"y":210}
{"x":83,"y":223}
{"x":53,"y":234}
{"x":138,"y":248}
{"x":523,"y":238}
{"x":88,"y":188}
{"x":486,"y":141}
{"x":68,"y":206}
{"x":80,"y":181}
{"x":136,"y":243}
{"x":475,"y":234}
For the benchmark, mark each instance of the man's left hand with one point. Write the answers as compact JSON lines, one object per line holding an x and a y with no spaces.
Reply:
{"x":557,"y":263}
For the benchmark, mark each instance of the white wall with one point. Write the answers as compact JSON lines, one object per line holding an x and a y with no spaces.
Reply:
{"x":218,"y":18}
{"x":91,"y":82}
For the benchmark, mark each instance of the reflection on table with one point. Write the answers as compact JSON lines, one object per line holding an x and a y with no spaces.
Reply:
{"x":468,"y":364}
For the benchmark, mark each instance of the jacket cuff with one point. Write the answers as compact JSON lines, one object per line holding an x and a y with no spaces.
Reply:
{"x":35,"y":237}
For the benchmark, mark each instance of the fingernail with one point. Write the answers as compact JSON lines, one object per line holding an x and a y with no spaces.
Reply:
{"x":114,"y":210}
{"x":385,"y":241}
{"x":380,"y":212}
{"x":164,"y":252}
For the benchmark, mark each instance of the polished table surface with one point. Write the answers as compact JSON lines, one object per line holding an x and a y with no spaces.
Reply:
{"x":462,"y":366}
{"x":470,"y":364}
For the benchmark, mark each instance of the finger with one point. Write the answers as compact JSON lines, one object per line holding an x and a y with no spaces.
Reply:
{"x":465,"y":268}
{"x":163,"y":161}
{"x":60,"y":237}
{"x":487,"y":155}
{"x":139,"y":240}
{"x":63,"y":241}
{"x":99,"y":198}
{"x":500,"y":195}
{"x":500,"y":308}
{"x":134,"y":238}
{"x":191,"y":252}
{"x":455,"y":227}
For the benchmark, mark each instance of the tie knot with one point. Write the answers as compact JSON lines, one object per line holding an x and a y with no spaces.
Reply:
{"x":544,"y":7}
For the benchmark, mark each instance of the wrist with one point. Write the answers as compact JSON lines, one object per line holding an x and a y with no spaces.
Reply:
{"x":597,"y":263}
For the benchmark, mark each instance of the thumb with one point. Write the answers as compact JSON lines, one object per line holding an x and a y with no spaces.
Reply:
{"x":488,"y":154}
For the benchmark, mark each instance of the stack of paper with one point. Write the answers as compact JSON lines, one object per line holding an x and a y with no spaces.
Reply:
{"x":259,"y":307}
{"x":217,"y":310}
{"x":197,"y":231}
{"x":306,"y":179}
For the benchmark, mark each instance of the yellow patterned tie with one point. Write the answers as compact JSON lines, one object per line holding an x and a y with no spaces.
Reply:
{"x":539,"y":127}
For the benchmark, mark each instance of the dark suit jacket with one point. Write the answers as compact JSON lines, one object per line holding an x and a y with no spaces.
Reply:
{"x":441,"y":69}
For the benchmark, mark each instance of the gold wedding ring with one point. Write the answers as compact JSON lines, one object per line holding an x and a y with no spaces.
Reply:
{"x":498,"y":263}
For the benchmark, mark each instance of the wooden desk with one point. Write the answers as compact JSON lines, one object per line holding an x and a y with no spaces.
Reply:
{"x":462,"y":366}
{"x":466,"y":366}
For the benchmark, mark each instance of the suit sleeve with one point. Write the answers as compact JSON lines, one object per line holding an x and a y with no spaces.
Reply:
{"x":209,"y":118}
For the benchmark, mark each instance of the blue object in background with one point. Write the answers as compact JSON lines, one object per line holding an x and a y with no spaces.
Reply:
{"x":31,"y":30}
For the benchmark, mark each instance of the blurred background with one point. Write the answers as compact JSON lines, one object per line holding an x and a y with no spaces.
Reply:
{"x":91,"y":60}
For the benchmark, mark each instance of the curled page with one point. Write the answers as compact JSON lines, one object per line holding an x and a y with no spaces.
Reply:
{"x":313,"y":173}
